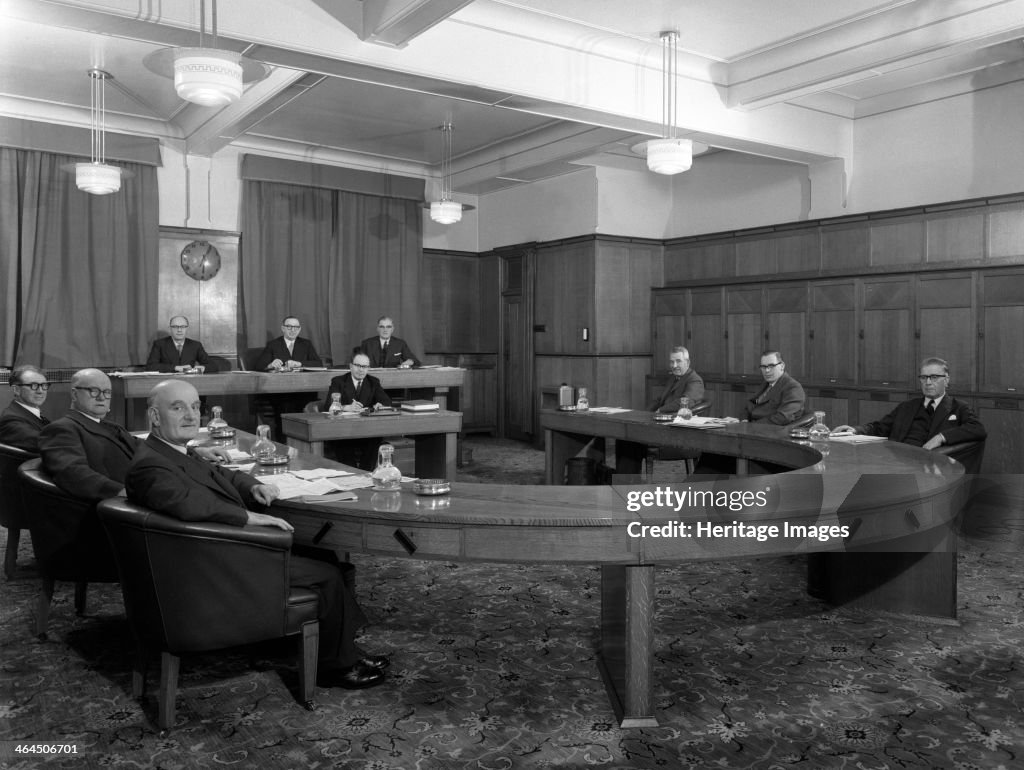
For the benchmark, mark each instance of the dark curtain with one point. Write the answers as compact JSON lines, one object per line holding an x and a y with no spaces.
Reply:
{"x":80,"y":271}
{"x":337,"y":260}
{"x":287,"y":256}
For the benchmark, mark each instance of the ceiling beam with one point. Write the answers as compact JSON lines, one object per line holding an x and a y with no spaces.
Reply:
{"x":908,"y":35}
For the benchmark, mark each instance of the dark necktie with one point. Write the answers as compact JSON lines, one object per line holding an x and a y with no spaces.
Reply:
{"x":930,"y":408}
{"x":384,"y":354}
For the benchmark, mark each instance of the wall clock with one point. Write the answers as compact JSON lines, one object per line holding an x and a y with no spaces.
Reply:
{"x":200,"y":260}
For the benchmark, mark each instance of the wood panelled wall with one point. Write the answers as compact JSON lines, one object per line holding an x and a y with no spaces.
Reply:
{"x":853,"y":305}
{"x":602,"y":285}
{"x":460,"y":327}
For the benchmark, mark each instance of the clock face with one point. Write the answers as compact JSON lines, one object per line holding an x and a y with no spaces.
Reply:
{"x":200,"y":260}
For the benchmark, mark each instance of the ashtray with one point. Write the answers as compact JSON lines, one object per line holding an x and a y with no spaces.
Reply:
{"x":567,"y":409}
{"x":431,"y":486}
{"x":273,"y":460}
{"x":799,"y":433}
{"x":664,"y":417}
{"x":222,"y":433}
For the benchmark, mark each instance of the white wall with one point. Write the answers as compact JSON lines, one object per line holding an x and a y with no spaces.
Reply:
{"x":562,"y":207}
{"x":635,"y":203}
{"x":962,"y":147}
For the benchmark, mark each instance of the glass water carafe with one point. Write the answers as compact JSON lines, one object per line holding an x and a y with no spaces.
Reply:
{"x":264,"y":449}
{"x":819,"y":431}
{"x":582,"y":401}
{"x":386,"y":476}
{"x":217,"y":421}
{"x":335,"y":410}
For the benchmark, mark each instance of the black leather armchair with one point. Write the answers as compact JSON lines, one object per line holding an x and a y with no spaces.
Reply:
{"x":967,"y":453}
{"x":67,"y":538}
{"x":199,"y":586}
{"x":13,"y":515}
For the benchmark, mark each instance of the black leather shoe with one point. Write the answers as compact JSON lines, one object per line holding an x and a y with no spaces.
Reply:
{"x":355,"y":677}
{"x":375,"y":661}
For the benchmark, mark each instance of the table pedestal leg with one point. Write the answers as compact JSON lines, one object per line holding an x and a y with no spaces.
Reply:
{"x":627,"y":640}
{"x":310,"y":447}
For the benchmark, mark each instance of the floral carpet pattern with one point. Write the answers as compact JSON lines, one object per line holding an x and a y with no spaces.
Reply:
{"x":494,"y":667}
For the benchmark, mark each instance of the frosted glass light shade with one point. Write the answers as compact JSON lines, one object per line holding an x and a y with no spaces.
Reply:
{"x":207,"y":76}
{"x":669,"y":156}
{"x":446,"y":212}
{"x":97,"y":178}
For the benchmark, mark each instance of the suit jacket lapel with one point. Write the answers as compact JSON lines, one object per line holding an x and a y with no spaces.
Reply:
{"x":942,"y":412}
{"x":196,"y":469}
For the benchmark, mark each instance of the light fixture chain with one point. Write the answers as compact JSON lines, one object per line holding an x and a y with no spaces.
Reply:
{"x":670,"y":83}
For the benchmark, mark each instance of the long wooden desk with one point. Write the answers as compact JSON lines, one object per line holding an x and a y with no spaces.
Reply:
{"x":892,"y":497}
{"x":129,"y":392}
{"x":435,"y":434}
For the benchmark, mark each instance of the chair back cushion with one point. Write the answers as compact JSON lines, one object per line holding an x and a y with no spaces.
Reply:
{"x":192,"y":586}
{"x":12,"y":506}
{"x":67,"y":537}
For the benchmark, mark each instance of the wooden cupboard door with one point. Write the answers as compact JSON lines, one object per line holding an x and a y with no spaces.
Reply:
{"x":705,"y":337}
{"x":947,"y":326}
{"x":1002,"y":348}
{"x":745,"y":341}
{"x":786,"y":319}
{"x":669,"y":326}
{"x":888,"y":344}
{"x":833,"y":333}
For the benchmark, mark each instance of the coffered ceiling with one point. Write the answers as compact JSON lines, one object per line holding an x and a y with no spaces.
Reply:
{"x":534,"y":88}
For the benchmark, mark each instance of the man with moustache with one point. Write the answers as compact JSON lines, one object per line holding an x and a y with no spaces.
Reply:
{"x":166,"y":477}
{"x":685,"y":383}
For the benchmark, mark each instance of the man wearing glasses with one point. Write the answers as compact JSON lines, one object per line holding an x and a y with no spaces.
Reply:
{"x":176,"y":353}
{"x":358,"y":391}
{"x":88,"y":456}
{"x":22,"y":420}
{"x":781,"y":400}
{"x":289,"y":352}
{"x":930,"y":421}
{"x":386,"y":350}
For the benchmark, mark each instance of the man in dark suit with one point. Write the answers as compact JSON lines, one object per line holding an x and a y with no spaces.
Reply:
{"x":289,"y":351}
{"x":176,"y":353}
{"x":22,"y":420}
{"x":781,"y":400}
{"x":685,"y":383}
{"x":931,"y":420}
{"x":358,"y":391}
{"x":168,"y":478}
{"x":387,"y":351}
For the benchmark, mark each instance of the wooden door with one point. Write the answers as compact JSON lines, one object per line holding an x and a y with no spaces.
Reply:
{"x":833,"y":333}
{"x":888,"y":344}
{"x":515,"y":358}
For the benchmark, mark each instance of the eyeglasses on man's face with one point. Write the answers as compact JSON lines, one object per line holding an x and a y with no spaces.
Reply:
{"x":385,"y":326}
{"x":931,"y":377}
{"x":179,"y":327}
{"x":33,"y":386}
{"x":360,"y":365}
{"x":768,"y":367}
{"x":95,"y":392}
{"x":292,"y":327}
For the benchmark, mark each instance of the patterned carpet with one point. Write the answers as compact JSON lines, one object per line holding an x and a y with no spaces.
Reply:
{"x":494,"y":668}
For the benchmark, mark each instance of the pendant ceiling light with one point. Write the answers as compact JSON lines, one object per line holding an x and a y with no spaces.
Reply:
{"x":670,"y":154}
{"x":211,"y":77}
{"x":97,"y":177}
{"x":446,"y":211}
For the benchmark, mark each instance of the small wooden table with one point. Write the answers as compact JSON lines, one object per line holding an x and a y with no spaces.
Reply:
{"x":435,"y":434}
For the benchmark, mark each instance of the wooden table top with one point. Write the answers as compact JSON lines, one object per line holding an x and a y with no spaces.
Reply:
{"x":885,"y":492}
{"x":320,"y":427}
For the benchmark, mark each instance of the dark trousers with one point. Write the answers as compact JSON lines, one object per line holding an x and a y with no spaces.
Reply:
{"x":340,"y":614}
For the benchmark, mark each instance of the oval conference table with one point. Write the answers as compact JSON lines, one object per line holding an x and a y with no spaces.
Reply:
{"x":889,"y":507}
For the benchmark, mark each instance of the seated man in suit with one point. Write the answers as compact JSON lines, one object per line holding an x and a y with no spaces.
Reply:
{"x":289,"y":351}
{"x":176,"y":353}
{"x":929,"y":421}
{"x":86,"y":455}
{"x":168,"y":478}
{"x":358,"y":391}
{"x":685,"y":383}
{"x":780,"y":401}
{"x":385,"y":350}
{"x":22,"y":420}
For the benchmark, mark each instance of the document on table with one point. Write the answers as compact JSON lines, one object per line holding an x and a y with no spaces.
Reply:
{"x":609,"y":409}
{"x":291,"y":486}
{"x":701,"y":423}
{"x":321,"y":473}
{"x":856,"y":438}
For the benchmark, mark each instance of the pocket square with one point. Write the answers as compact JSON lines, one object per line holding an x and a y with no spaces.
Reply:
{"x":952,"y":417}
